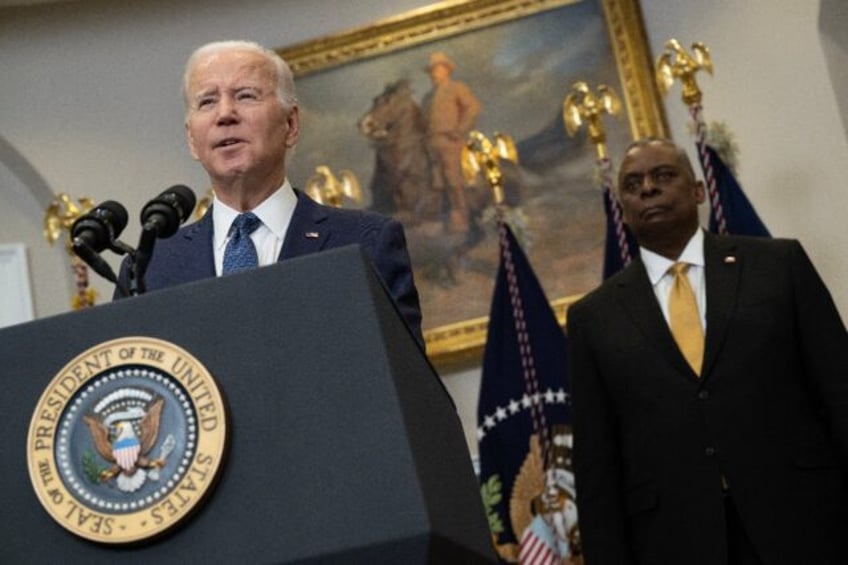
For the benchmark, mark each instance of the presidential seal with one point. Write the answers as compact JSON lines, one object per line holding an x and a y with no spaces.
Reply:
{"x":126,"y":440}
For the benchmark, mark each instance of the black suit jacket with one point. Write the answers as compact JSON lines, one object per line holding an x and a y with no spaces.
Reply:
{"x":189,"y":255}
{"x":769,"y":412}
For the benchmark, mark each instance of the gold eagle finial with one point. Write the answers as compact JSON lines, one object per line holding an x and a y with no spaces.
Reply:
{"x":481,"y":155}
{"x":677,"y":63}
{"x":61,"y":214}
{"x":327,"y":188}
{"x":582,"y":106}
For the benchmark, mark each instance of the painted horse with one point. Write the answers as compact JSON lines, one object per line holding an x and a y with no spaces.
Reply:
{"x":400,"y":185}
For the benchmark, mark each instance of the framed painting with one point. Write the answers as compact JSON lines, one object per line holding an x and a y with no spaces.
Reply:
{"x":368,"y":104}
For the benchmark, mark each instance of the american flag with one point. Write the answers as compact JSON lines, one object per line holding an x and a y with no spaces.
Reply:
{"x":538,"y":546}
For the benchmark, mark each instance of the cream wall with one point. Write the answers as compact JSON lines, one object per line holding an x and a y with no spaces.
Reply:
{"x":772,"y":87}
{"x":89,"y":105}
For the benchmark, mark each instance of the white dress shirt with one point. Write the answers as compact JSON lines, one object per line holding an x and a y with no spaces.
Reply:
{"x":657,"y":267}
{"x":275,"y":212}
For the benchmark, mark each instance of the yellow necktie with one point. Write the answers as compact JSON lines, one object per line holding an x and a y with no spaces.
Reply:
{"x":684,"y":318}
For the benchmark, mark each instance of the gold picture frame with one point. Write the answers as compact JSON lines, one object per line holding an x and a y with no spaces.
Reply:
{"x":466,"y":21}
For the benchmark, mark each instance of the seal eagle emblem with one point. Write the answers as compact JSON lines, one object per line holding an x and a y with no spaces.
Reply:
{"x":117,"y":441}
{"x":126,"y":440}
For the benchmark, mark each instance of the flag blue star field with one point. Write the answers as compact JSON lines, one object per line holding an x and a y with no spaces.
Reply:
{"x":614,"y":255}
{"x":524,"y":417}
{"x":739,"y":214}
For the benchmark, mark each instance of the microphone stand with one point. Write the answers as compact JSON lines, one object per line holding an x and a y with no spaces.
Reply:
{"x":96,"y":262}
{"x":93,"y":259}
{"x":140,"y":259}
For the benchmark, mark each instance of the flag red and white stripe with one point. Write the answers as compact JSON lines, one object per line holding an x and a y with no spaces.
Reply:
{"x":537,"y":545}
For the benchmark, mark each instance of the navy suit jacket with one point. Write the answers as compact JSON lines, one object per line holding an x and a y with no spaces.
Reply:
{"x":769,"y":412}
{"x":189,"y":255}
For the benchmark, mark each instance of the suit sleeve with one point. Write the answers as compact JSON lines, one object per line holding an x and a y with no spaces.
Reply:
{"x":824,"y":344}
{"x":390,"y":256}
{"x":597,"y":459}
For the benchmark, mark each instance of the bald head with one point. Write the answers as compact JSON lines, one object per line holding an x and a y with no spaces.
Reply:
{"x":682,"y":156}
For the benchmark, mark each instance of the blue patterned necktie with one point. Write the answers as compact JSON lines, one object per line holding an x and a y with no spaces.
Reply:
{"x":240,"y":253}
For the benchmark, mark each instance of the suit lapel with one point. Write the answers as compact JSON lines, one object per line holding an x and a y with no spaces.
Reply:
{"x":200,"y":262}
{"x":308,"y":230}
{"x":638,"y":300}
{"x":722,"y":280}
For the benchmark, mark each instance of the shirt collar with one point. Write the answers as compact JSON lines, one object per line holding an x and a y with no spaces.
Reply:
{"x":657,"y":266}
{"x":275,"y":212}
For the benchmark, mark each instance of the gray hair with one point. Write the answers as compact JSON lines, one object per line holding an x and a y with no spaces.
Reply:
{"x":283,"y":73}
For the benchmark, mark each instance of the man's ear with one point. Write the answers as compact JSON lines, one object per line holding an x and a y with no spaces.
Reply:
{"x":700,"y":192}
{"x":293,"y":122}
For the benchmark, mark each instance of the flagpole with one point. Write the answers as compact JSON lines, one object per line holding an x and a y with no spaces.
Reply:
{"x":580,"y":107}
{"x":605,"y":169}
{"x":85,"y":295}
{"x":481,"y":155}
{"x":531,"y":381}
{"x":696,"y":111}
{"x":677,"y":63}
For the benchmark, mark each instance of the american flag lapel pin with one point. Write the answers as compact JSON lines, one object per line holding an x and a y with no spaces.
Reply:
{"x":311,"y":235}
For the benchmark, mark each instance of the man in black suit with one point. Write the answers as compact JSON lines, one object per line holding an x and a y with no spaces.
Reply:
{"x":728,"y":449}
{"x":241,"y":121}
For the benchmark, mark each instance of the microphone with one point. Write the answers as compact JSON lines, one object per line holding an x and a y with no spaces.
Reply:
{"x":100,"y":227}
{"x":164,"y":214}
{"x":96,"y":230}
{"x":160,"y":218}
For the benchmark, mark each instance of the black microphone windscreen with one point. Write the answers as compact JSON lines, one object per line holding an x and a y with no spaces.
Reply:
{"x":185,"y":196}
{"x":101,"y":225}
{"x":119,"y":216}
{"x":164,"y":214}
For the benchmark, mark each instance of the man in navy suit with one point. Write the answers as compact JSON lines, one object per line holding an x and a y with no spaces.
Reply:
{"x":738,"y":452}
{"x":241,"y":121}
